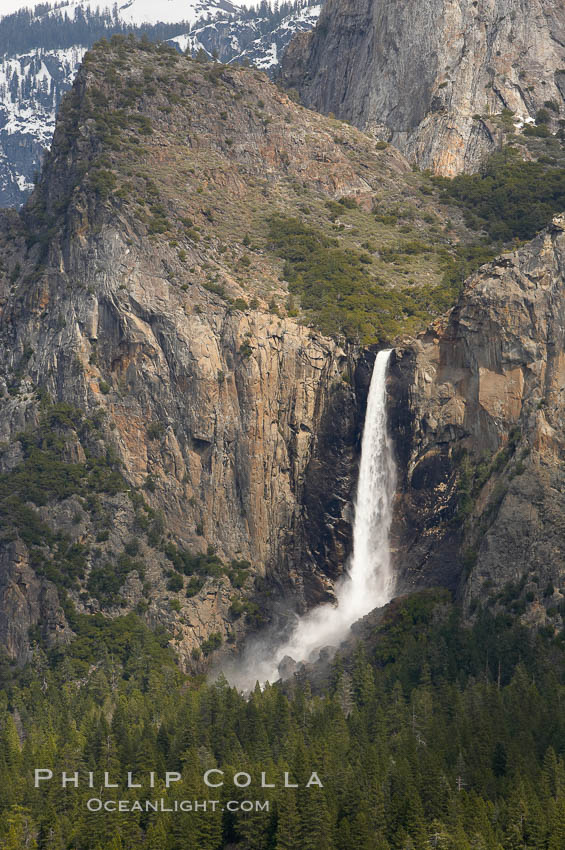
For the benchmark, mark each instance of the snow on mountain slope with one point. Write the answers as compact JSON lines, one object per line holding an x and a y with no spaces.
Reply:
{"x":265,"y":52}
{"x":224,"y":37}
{"x":170,"y":11}
{"x":31,"y":87}
{"x":239,"y":40}
{"x":140,"y":11}
{"x":32,"y":80}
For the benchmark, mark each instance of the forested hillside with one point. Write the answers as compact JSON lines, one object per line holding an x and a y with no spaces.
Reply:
{"x":430,"y":736}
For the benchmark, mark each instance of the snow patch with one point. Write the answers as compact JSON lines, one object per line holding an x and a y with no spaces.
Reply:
{"x":140,"y":11}
{"x":30,"y":93}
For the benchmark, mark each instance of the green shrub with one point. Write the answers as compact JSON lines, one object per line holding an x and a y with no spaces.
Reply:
{"x":105,"y":582}
{"x":194,"y":586}
{"x":237,"y":572}
{"x":236,"y":608}
{"x":216,"y":288}
{"x":540,"y":131}
{"x":132,"y":547}
{"x":175,"y":583}
{"x":508,"y":119}
{"x":155,"y":430}
{"x":213,"y":642}
{"x":334,"y":208}
{"x":102,"y":181}
{"x":202,"y":564}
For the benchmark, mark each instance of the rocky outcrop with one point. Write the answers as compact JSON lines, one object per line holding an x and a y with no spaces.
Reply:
{"x":427,"y":75}
{"x":480,"y":425}
{"x":176,"y":438}
{"x":34,"y":76}
{"x":27,"y":602}
{"x":220,"y":410}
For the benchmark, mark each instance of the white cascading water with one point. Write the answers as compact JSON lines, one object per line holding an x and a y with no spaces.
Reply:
{"x":372,"y":581}
{"x":369,"y":582}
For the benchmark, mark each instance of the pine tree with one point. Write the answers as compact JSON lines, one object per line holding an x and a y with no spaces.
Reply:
{"x":19,"y":829}
{"x":536,"y":825}
{"x":516,"y":819}
{"x":287,"y":821}
{"x":315,"y":827}
{"x":557,"y":825}
{"x":439,"y":837}
{"x":157,"y":836}
{"x":363,"y":680}
{"x":344,"y":694}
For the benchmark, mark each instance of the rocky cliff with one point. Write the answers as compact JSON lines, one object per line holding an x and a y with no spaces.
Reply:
{"x":479,"y":415}
{"x":176,"y":437}
{"x":428,"y":76}
{"x":42,"y":50}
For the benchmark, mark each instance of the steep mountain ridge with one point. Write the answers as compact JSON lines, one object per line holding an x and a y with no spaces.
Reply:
{"x":179,"y":438}
{"x":428,"y":76}
{"x":159,"y":379}
{"x":43,"y":50}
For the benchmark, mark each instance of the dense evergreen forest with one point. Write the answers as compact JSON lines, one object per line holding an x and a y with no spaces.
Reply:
{"x":431,"y":736}
{"x":27,"y":30}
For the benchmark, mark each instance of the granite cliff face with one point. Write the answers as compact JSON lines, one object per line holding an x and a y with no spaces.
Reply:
{"x":152,"y":379}
{"x":479,"y":415}
{"x":176,"y":437}
{"x":427,"y":75}
{"x":27,"y":601}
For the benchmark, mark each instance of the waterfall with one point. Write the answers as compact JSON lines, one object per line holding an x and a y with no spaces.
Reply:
{"x":369,"y":582}
{"x":371,"y":579}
